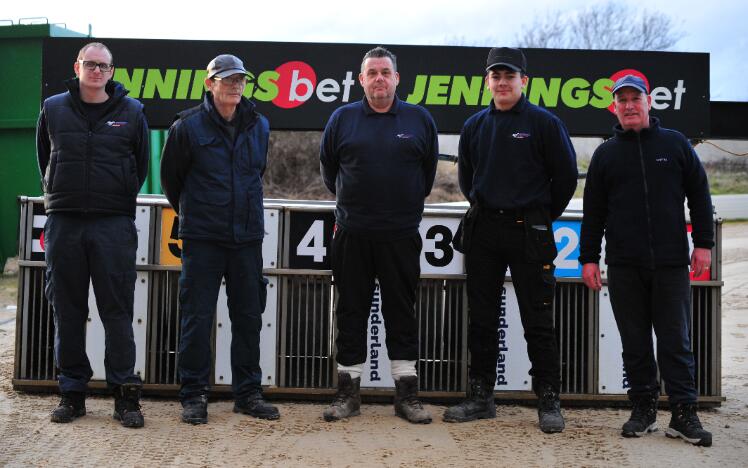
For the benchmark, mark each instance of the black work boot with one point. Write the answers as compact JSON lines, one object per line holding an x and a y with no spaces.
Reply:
{"x":686,"y":425}
{"x":195,"y":409}
{"x":347,"y":401}
{"x":549,"y":410}
{"x":72,"y":405}
{"x":643,"y":415}
{"x":407,"y":404}
{"x":255,"y":405}
{"x":127,"y":405}
{"x":479,"y":403}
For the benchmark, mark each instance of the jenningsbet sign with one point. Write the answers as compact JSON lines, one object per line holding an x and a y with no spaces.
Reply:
{"x":298,"y":85}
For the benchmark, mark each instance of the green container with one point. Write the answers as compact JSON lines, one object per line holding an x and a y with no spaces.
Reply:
{"x":21,"y":54}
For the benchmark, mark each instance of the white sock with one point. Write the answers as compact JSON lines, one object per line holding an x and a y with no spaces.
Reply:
{"x":354,"y":370}
{"x":400,"y":368}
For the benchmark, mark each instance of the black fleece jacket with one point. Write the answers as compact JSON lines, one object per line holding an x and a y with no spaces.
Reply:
{"x":635,"y":189}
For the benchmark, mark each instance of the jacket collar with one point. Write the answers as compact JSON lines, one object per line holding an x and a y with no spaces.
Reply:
{"x":516,"y":109}
{"x":114,"y":89}
{"x":654,"y":127}
{"x":393,"y":109}
{"x":245,"y":112}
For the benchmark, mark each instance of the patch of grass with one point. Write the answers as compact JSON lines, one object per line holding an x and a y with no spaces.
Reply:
{"x":724,"y":181}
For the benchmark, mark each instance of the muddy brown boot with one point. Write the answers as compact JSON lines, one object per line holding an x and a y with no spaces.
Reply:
{"x":407,"y":404}
{"x":347,"y":400}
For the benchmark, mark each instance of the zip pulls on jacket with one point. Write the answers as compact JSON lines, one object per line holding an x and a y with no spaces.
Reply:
{"x":646,"y":200}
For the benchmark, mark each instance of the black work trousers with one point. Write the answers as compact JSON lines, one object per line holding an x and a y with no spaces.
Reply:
{"x":498,"y":240}
{"x":356,"y":262}
{"x":100,"y":250}
{"x":661,"y":298}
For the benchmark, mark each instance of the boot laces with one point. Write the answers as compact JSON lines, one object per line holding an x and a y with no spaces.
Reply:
{"x":640,"y":410}
{"x":68,"y":400}
{"x":689,"y":416}
{"x":548,"y":400}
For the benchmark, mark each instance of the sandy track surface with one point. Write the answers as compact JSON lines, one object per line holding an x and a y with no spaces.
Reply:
{"x":377,"y":437}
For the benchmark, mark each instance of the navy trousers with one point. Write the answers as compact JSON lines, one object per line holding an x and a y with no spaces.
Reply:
{"x":356,"y":262}
{"x":99,"y":249}
{"x":204,"y":264}
{"x":642,"y":299}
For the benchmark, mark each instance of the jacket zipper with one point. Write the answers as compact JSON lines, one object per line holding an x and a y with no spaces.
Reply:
{"x":646,"y":202}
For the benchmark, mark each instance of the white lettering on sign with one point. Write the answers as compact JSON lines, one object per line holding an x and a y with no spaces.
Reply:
{"x":313,"y":242}
{"x":564,"y":259}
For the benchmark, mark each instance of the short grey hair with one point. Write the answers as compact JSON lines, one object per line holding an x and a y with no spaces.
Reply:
{"x":379,"y":52}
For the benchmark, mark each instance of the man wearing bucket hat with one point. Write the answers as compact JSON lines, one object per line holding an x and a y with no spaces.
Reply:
{"x":211,"y":173}
{"x":517,"y":168}
{"x":636,"y":186}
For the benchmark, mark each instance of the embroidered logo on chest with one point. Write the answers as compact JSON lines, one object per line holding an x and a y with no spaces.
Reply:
{"x":662,"y":159}
{"x":404,"y":136}
{"x":520,"y":135}
{"x":114,"y":123}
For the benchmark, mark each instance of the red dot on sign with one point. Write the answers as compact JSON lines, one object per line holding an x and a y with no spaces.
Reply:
{"x":41,"y":240}
{"x":620,"y":74}
{"x":296,"y":82}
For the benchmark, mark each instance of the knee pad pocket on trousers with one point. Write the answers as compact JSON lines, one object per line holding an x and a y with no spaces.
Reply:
{"x":546,"y":287}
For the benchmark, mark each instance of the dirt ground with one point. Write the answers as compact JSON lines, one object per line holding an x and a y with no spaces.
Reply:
{"x":377,"y":437}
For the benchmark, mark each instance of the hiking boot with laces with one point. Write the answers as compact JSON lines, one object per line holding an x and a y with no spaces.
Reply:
{"x":347,"y":401}
{"x":549,"y":410}
{"x":72,"y":405}
{"x":127,"y":405}
{"x":479,"y":403}
{"x":195,"y":409}
{"x":256,"y":406}
{"x":643,"y":415}
{"x":407,"y":404}
{"x":686,"y":425}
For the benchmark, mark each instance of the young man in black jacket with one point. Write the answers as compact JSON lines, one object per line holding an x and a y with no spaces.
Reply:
{"x":636,"y":185}
{"x":518,"y":170}
{"x":92,"y":149}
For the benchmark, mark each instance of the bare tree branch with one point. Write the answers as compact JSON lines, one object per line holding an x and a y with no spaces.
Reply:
{"x":608,"y":25}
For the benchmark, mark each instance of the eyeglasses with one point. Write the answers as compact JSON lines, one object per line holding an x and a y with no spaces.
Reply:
{"x":91,"y":65}
{"x":233,"y":80}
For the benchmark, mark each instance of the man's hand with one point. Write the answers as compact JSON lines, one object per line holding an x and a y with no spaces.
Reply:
{"x":591,"y":276}
{"x":701,"y":260}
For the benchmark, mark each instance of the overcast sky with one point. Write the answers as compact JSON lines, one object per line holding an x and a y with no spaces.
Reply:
{"x":717,"y":27}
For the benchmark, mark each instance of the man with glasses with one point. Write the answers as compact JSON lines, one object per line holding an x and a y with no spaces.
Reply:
{"x":92,"y":149}
{"x":211,"y":173}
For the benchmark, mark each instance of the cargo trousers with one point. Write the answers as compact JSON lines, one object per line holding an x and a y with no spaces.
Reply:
{"x":494,"y":240}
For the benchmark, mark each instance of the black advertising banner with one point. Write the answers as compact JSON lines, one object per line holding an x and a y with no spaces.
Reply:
{"x":298,"y":85}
